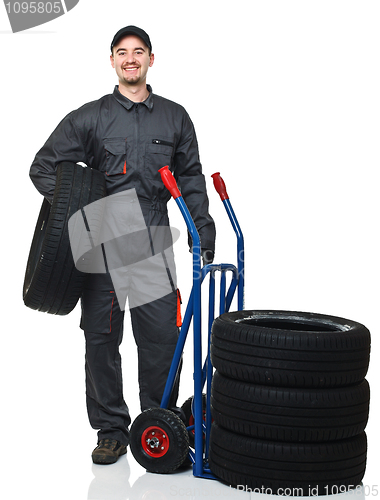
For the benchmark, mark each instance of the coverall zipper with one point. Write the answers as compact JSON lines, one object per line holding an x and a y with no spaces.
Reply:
{"x":137,"y":136}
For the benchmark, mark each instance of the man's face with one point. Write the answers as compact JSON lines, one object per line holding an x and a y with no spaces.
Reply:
{"x":131,"y":60}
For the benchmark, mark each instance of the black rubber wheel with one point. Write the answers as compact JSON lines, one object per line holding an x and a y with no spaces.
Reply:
{"x":52,"y":284}
{"x":159,"y":440}
{"x":294,"y":415}
{"x":187,"y":409}
{"x":290,"y":349}
{"x":289,"y":469}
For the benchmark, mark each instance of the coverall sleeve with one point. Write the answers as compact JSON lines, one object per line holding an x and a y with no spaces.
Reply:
{"x":64,"y":144}
{"x":188,"y":172}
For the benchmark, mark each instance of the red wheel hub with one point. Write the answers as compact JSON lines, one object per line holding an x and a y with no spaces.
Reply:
{"x":192,"y":421}
{"x":155,"y":441}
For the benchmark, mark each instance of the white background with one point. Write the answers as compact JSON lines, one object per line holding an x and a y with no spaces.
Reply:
{"x":284,"y":96}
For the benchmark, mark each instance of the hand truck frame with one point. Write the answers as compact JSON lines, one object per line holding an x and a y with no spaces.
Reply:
{"x":203,"y":372}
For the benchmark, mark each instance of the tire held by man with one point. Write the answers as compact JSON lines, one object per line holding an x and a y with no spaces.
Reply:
{"x":52,"y":284}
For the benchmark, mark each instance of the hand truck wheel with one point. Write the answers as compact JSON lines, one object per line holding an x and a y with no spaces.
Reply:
{"x":187,"y":409}
{"x":159,"y":440}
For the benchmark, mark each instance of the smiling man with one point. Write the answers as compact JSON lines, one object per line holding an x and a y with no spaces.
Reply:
{"x":128,"y":136}
{"x":131,"y":59}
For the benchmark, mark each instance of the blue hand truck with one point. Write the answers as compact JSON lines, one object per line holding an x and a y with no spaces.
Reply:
{"x":159,"y":437}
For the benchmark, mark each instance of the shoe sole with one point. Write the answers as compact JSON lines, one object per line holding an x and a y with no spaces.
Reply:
{"x":107,"y":460}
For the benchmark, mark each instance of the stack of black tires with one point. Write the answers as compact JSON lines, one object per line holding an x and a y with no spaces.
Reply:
{"x":289,"y":401}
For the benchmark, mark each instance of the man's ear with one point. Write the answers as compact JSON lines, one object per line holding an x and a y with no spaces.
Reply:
{"x":112,"y":61}
{"x":151,"y":60}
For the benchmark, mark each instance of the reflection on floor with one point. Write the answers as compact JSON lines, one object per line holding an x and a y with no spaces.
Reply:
{"x":126,"y":480}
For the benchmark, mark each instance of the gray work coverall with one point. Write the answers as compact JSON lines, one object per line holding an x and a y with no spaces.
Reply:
{"x":129,"y":142}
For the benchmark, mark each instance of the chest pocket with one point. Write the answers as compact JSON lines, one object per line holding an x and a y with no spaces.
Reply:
{"x":116,"y":155}
{"x":158,"y":154}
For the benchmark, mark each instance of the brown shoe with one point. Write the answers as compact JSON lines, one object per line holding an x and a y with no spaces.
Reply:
{"x":108,"y":451}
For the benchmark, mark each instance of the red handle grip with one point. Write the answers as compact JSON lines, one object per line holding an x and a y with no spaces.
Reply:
{"x":169,"y":181}
{"x":220,"y":186}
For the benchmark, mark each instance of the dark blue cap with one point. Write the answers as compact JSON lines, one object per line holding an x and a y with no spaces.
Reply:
{"x":132,"y":30}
